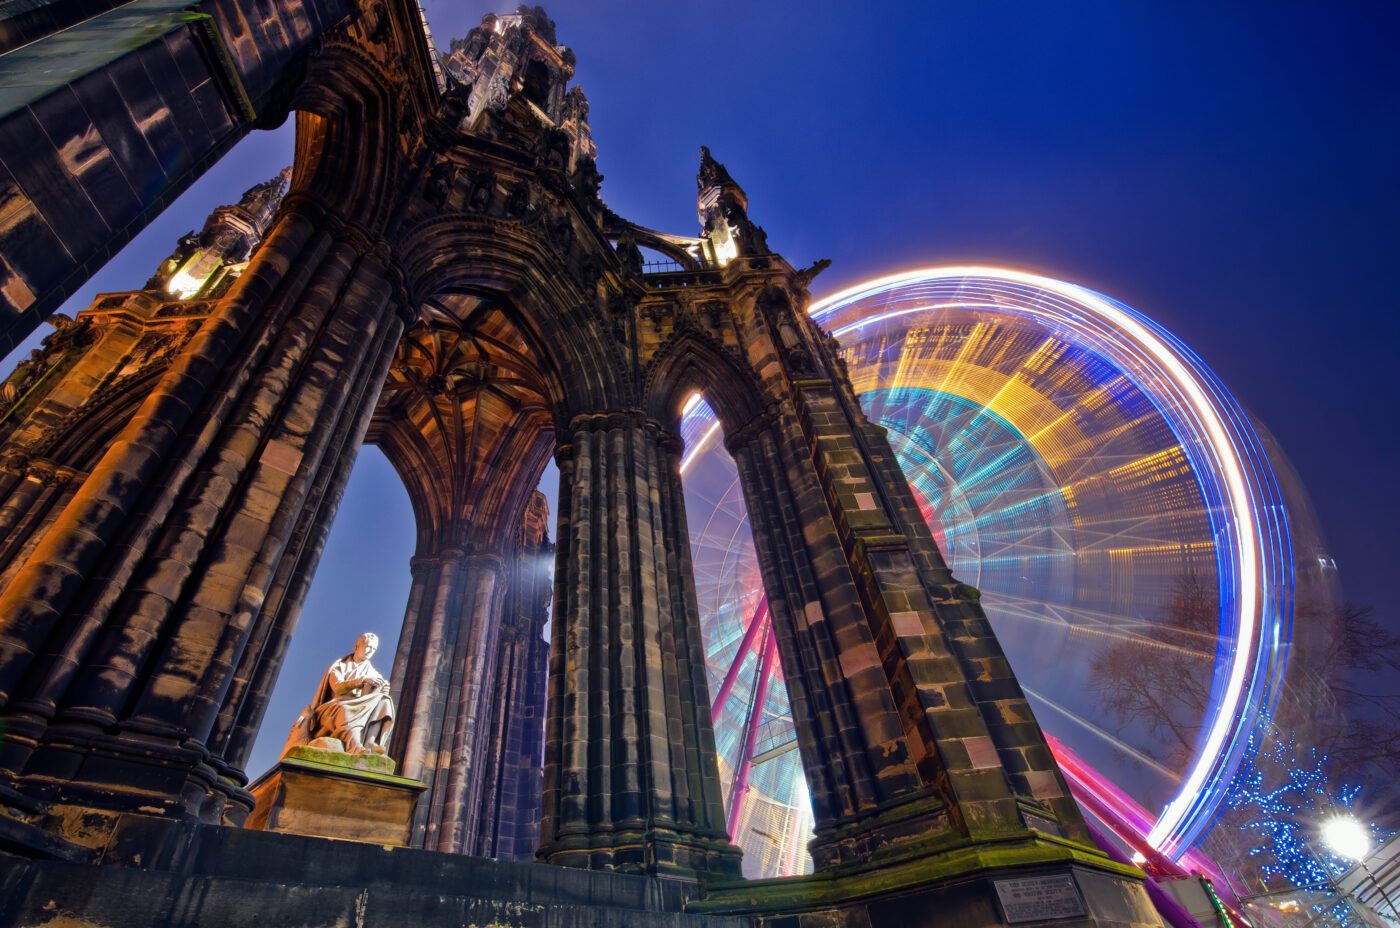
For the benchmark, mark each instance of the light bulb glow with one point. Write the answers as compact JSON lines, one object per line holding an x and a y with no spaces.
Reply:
{"x":1346,"y":837}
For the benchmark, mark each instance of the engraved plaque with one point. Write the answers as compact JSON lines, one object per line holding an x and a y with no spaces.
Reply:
{"x":1040,"y":898}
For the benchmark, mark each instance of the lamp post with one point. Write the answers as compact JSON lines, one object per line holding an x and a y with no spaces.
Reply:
{"x":1350,"y":840}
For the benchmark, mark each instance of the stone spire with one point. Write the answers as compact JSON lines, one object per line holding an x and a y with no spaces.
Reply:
{"x":714,"y":174}
{"x":260,"y":202}
{"x":204,"y":264}
{"x":513,"y":56}
{"x":722,"y":207}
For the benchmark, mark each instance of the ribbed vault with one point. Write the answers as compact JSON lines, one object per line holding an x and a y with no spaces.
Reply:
{"x":464,"y":419}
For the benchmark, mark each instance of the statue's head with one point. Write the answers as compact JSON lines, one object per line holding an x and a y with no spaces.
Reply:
{"x":366,"y":645}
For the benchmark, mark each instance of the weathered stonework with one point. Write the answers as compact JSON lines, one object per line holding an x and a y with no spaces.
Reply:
{"x":443,"y":279}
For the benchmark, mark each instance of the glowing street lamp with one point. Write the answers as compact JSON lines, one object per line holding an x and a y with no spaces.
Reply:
{"x":1346,"y":837}
{"x":1350,"y":840}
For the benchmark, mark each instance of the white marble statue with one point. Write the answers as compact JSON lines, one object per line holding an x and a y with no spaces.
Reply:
{"x":352,"y":705}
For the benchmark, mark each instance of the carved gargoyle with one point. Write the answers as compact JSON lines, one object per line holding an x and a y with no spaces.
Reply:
{"x":456,"y":104}
{"x":586,"y":178}
{"x":713,"y":311}
{"x":67,"y":333}
{"x":553,"y":150}
{"x":377,"y":24}
{"x":561,"y":234}
{"x":804,"y":277}
{"x":483,"y":191}
{"x":628,"y":253}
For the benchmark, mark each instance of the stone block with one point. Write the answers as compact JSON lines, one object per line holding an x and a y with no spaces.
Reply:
{"x":328,"y":794}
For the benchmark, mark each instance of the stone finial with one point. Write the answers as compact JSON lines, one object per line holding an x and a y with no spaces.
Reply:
{"x":712,"y":173}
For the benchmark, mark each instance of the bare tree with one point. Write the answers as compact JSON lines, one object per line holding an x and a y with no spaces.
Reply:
{"x":1355,"y":668}
{"x":1160,"y":680}
{"x":1340,"y":695}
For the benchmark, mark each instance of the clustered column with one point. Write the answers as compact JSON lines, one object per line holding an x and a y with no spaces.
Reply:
{"x":445,"y":675}
{"x":631,"y":780}
{"x":514,"y":773}
{"x":853,"y":741}
{"x":33,"y":492}
{"x":161,"y":596}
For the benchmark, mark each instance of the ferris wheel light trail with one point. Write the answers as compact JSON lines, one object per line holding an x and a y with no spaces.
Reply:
{"x":695,"y":449}
{"x":1208,"y":409}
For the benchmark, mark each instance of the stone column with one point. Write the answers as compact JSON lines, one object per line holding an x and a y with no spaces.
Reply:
{"x":912,"y":729}
{"x":30,"y":503}
{"x":124,"y":629}
{"x":470,"y":698}
{"x":444,"y":675}
{"x":631,"y":781}
{"x":853,"y":742}
{"x":511,"y":798}
{"x":241,"y":716}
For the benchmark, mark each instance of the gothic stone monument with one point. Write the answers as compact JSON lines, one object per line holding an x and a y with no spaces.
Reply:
{"x":441,"y":278}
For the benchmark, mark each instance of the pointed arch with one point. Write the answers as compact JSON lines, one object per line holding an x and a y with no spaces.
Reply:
{"x":561,"y":323}
{"x":694,"y":362}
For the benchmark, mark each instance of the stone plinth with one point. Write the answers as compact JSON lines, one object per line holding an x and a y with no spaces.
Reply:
{"x":328,"y":794}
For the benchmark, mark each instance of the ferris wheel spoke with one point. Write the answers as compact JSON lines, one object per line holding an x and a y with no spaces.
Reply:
{"x":1105,"y":625}
{"x":1103,"y":734}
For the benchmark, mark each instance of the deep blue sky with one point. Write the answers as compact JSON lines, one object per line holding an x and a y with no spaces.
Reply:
{"x":1232,"y":170}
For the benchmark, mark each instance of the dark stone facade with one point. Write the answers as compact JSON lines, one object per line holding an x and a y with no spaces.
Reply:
{"x":109,"y":111}
{"x":443,"y":279}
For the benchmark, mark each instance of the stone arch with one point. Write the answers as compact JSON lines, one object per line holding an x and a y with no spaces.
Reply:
{"x":538,"y":84}
{"x":467,"y":422}
{"x":694,"y":362}
{"x":349,"y":152}
{"x":560,"y":318}
{"x":434,"y":382}
{"x":678,"y":248}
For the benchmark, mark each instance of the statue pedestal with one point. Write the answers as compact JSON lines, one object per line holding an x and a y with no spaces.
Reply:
{"x":328,"y":794}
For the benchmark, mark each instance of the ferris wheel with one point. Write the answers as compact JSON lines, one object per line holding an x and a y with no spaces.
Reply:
{"x":1093,"y":478}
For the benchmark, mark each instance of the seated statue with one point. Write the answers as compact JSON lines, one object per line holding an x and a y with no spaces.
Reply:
{"x":352,"y":705}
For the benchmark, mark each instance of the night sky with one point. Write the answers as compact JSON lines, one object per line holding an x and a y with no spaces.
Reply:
{"x":1231,"y":170}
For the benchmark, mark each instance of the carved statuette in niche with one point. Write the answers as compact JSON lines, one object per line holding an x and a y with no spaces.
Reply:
{"x":352,"y":706}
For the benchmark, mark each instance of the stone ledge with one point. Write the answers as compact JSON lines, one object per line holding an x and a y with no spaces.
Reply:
{"x":241,"y":854}
{"x":951,"y":865}
{"x":363,"y":766}
{"x":1099,"y":900}
{"x":179,"y":875}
